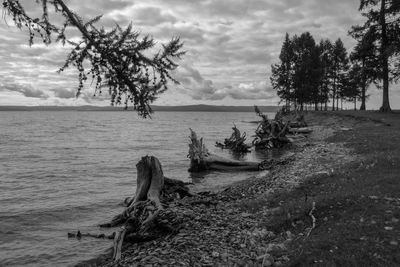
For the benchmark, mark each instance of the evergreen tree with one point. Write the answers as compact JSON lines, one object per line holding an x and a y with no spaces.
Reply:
{"x":117,"y":59}
{"x":281,"y":78}
{"x":354,"y":84}
{"x":326,"y":53}
{"x":307,"y":70}
{"x":383,"y":24}
{"x":365,"y":55}
{"x":340,"y":66}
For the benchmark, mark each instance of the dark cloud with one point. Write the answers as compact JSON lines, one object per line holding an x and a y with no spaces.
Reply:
{"x":230,"y":44}
{"x":199,"y":88}
{"x":64,"y":93}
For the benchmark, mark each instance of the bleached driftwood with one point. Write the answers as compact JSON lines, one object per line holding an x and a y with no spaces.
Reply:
{"x":202,"y":160}
{"x":303,"y":130}
{"x":271,"y":134}
{"x":145,"y":218}
{"x":282,"y":130}
{"x":299,"y":121}
{"x":236,"y":142}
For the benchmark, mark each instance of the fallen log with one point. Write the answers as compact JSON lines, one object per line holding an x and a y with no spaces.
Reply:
{"x":302,"y":130}
{"x":299,"y":121}
{"x":296,"y":137}
{"x":145,"y":217}
{"x":202,"y":160}
{"x":79,"y":235}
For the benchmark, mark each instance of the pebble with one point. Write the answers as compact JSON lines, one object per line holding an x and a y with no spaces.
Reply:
{"x":209,"y":229}
{"x":267,"y":263}
{"x":215,"y":254}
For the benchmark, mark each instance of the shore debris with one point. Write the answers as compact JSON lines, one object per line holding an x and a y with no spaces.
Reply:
{"x":236,"y":142}
{"x":271,"y":133}
{"x":202,"y":160}
{"x":145,"y":217}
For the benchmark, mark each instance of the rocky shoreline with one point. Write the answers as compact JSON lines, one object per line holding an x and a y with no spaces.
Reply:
{"x":243,"y":225}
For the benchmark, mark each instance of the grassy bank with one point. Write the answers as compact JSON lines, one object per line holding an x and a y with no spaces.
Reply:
{"x":337,"y":203}
{"x":357,"y":208}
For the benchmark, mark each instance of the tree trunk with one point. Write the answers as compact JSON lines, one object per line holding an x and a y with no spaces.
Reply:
{"x":363,"y":96}
{"x":385,"y":65}
{"x":337,"y":102}
{"x":363,"y":86}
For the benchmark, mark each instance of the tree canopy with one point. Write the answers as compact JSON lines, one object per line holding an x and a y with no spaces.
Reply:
{"x":116,"y":59}
{"x":310,"y":73}
{"x":381,"y":31}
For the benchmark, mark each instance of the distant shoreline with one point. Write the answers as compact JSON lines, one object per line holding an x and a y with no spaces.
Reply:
{"x":187,"y":108}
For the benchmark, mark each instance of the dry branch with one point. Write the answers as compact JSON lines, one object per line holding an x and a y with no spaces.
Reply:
{"x":312,"y":218}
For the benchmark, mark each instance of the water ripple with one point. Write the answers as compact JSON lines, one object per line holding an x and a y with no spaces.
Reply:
{"x":63,"y":171}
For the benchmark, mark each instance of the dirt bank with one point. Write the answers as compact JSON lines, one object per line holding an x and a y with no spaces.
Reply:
{"x":337,"y":203}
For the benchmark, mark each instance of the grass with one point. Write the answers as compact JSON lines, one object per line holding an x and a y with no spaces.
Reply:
{"x":358,"y":208}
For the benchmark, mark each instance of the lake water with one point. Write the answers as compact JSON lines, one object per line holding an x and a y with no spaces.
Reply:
{"x":63,"y":171}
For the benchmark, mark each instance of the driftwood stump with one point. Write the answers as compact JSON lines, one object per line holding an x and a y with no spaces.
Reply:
{"x":271,"y":133}
{"x":236,"y":142}
{"x":287,"y":127}
{"x":145,"y":217}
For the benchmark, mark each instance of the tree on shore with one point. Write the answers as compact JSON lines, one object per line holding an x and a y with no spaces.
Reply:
{"x":340,"y":66}
{"x":326,"y":51}
{"x":354,"y":84}
{"x":307,"y":70}
{"x":383,"y":25}
{"x":364,"y":57}
{"x":302,"y":77}
{"x":281,"y":78}
{"x":116,"y":59}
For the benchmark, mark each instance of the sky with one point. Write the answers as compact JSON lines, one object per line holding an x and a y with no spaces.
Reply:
{"x":230,"y":46}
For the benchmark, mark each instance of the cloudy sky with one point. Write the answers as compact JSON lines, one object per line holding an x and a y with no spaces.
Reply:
{"x":230,"y":45}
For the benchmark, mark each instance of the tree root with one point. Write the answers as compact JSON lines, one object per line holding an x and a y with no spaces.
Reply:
{"x":271,"y":133}
{"x":236,"y":142}
{"x":145,"y":217}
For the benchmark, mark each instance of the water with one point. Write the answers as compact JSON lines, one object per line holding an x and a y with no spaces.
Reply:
{"x":64,"y":171}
